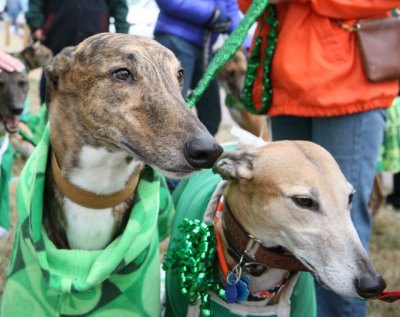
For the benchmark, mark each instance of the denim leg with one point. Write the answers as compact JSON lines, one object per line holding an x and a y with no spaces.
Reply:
{"x":291,"y":128}
{"x":354,"y":141}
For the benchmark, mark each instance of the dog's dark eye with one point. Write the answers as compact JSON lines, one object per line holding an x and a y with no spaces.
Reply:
{"x":180,"y":77}
{"x":305,"y":202}
{"x":351,"y":197}
{"x":22,"y":83}
{"x":123,"y":75}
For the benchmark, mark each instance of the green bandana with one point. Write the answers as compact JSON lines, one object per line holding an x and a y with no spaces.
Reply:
{"x":120,"y":280}
{"x":6,"y":160}
{"x":36,"y":123}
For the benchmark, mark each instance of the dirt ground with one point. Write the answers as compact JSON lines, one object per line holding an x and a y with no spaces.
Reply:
{"x":385,"y":245}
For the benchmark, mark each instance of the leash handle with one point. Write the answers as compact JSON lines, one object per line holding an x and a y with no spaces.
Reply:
{"x":229,"y":48}
{"x":389,"y":296}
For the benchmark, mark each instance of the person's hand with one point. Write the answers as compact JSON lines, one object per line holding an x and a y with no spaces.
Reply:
{"x":38,"y":35}
{"x":9,"y":63}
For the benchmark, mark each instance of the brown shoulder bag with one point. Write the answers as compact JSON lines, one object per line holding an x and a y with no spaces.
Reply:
{"x":379,"y":45}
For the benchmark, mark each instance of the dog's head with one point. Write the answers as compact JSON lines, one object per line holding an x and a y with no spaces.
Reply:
{"x":14,"y":88}
{"x":36,"y":55}
{"x":124,"y":93}
{"x":233,"y":74}
{"x":294,"y":195}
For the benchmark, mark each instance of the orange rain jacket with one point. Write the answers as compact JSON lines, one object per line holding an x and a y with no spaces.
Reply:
{"x":316,"y":69}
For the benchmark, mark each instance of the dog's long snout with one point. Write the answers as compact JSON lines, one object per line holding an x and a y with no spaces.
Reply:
{"x":202,"y":151}
{"x":370,"y":286}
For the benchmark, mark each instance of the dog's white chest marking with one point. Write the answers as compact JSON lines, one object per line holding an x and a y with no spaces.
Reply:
{"x":100,"y":172}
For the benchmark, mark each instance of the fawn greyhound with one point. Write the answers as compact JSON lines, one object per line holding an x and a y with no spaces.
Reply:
{"x":286,"y":208}
{"x":114,"y":105}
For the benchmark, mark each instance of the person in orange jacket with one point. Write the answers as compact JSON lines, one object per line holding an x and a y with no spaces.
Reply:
{"x":320,"y":93}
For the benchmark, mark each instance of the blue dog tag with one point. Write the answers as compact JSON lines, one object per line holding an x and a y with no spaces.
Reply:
{"x":242,"y":291}
{"x":230,"y":293}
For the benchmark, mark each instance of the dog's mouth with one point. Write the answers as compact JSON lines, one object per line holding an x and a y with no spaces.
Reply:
{"x":10,"y":122}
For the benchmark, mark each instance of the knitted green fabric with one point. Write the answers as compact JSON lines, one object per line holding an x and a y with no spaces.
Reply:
{"x":191,"y":199}
{"x":120,"y":280}
{"x":389,"y":160}
{"x":36,"y":123}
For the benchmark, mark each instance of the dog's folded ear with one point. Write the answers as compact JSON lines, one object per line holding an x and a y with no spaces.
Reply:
{"x":56,"y":68}
{"x":237,"y":165}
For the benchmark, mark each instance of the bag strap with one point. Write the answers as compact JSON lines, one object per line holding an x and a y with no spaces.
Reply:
{"x":348,"y":27}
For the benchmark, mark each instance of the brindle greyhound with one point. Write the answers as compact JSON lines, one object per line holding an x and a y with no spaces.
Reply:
{"x":115,"y":104}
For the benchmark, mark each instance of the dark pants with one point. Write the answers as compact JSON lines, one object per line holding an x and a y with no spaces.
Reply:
{"x":42,"y":89}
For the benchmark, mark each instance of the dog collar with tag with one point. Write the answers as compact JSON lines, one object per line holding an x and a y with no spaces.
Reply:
{"x":236,"y":285}
{"x":253,"y":255}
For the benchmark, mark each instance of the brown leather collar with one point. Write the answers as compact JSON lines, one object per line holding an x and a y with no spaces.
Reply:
{"x":90,"y":199}
{"x":244,"y":247}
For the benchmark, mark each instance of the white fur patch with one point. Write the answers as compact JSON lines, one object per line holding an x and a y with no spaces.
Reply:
{"x":100,"y":172}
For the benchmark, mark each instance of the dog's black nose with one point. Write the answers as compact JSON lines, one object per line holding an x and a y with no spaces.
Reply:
{"x":202,"y":151}
{"x":17,"y":111}
{"x":370,"y":286}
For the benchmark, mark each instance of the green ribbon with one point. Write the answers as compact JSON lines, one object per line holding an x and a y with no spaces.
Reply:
{"x":194,"y":258}
{"x":231,"y":45}
{"x":254,"y":63}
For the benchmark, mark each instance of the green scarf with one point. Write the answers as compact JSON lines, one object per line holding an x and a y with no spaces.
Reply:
{"x":120,"y":280}
{"x":36,"y":123}
{"x":6,"y":159}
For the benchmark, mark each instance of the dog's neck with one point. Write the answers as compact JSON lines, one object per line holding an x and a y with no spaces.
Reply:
{"x":267,"y":280}
{"x":98,"y":170}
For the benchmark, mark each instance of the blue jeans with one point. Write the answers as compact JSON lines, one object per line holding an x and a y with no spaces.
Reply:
{"x":209,"y":106}
{"x":354,"y":141}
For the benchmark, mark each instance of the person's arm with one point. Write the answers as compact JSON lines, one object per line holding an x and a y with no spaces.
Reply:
{"x":193,"y":11}
{"x":119,"y":10}
{"x":9,"y":63}
{"x":354,"y":9}
{"x":35,"y":14}
{"x":233,"y":13}
{"x":340,"y":9}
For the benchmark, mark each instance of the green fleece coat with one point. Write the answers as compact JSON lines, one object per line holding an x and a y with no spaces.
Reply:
{"x":120,"y":280}
{"x":191,"y":199}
